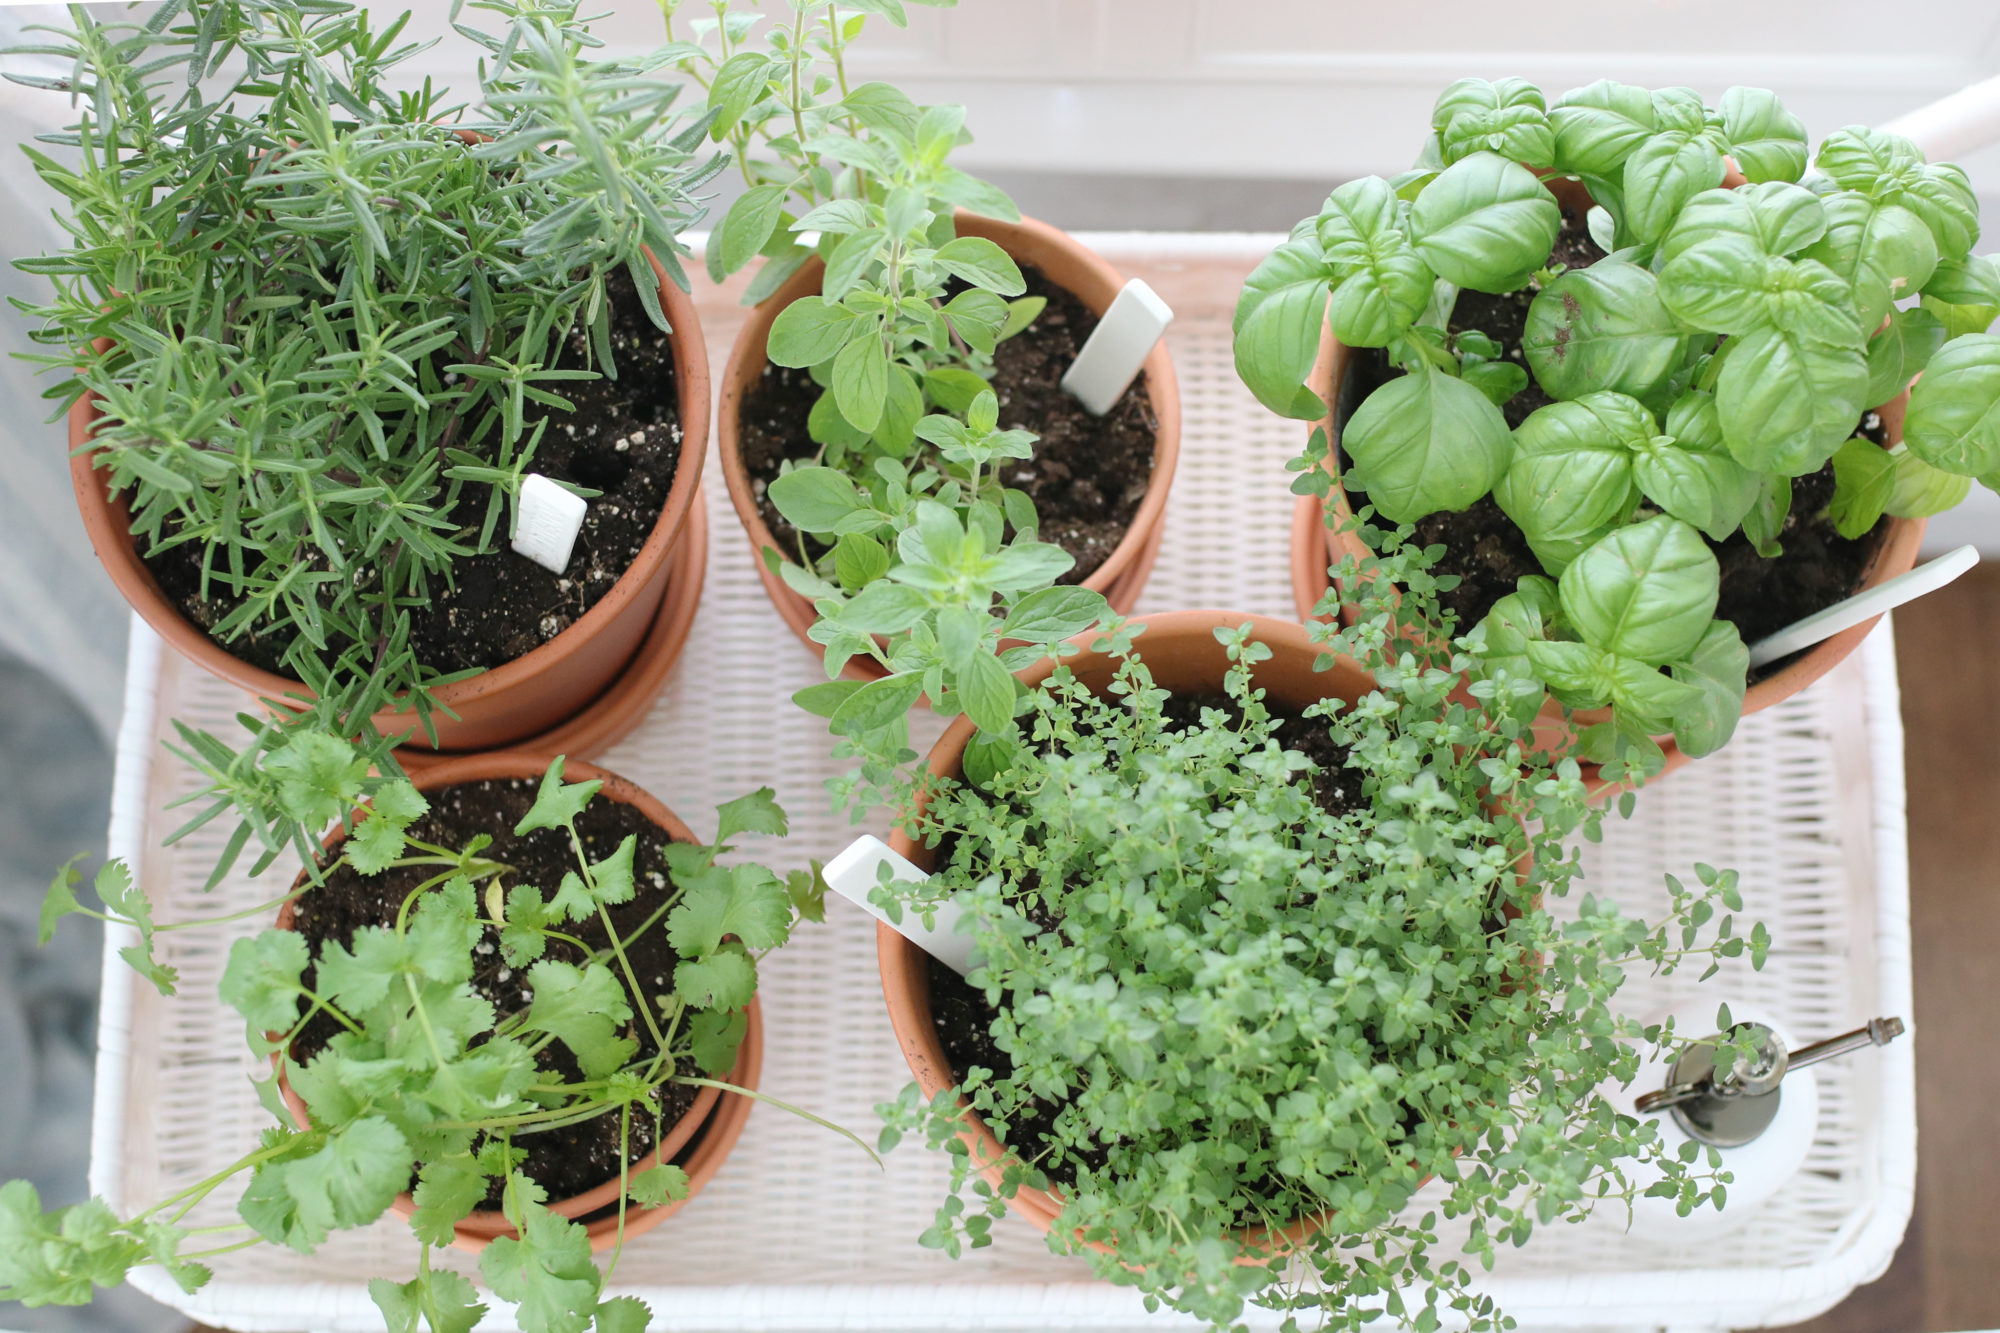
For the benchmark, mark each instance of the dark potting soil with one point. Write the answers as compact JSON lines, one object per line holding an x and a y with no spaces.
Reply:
{"x":623,"y":439}
{"x":1088,"y":473}
{"x":578,"y":1158}
{"x":964,"y":1020}
{"x":1489,"y":555}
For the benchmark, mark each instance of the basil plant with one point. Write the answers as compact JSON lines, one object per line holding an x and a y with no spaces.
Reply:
{"x":1730,"y":340}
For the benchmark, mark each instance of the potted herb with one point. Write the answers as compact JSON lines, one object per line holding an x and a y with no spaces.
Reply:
{"x":1259,"y":950}
{"x":314,"y":330}
{"x":896,"y":287}
{"x":518,"y":1015}
{"x":1638,"y":371}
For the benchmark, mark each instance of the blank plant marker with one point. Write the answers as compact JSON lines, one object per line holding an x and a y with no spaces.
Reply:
{"x":546,"y":521}
{"x":855,"y":871}
{"x":1120,"y":344}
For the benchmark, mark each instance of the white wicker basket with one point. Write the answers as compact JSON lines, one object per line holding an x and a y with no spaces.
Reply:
{"x":799,"y":1231}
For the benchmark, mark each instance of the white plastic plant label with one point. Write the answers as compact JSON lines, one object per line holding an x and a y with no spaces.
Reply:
{"x":546,"y":521}
{"x":1866,"y":605}
{"x":858,"y":869}
{"x":1115,"y":350}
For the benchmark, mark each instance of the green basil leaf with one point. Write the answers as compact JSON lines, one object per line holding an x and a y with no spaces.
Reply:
{"x":1767,"y":141}
{"x":810,"y":331}
{"x":1788,"y":402}
{"x":1661,"y":175}
{"x":1578,"y":674}
{"x":1426,"y":442}
{"x":1597,"y":127}
{"x":1864,"y":476}
{"x":1919,"y":490}
{"x":1954,"y":417}
{"x":1766,"y":518}
{"x":1650,"y":700}
{"x":1380,"y":285}
{"x":1601,"y":328}
{"x":1777,"y":218}
{"x":1711,"y":490}
{"x":1884,"y":251}
{"x":814,"y":499}
{"x":1279,"y":316}
{"x":1570,"y":479}
{"x":1646,"y":591}
{"x":983,"y":264}
{"x":1903,"y":347}
{"x":1485,"y":223}
{"x":1718,"y":669}
{"x":1508,"y":118}
{"x":1719,"y":284}
{"x":1860,"y":158}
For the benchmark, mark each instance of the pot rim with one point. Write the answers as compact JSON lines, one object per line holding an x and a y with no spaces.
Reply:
{"x":484,"y":1224}
{"x":107,"y":521}
{"x":748,"y":361}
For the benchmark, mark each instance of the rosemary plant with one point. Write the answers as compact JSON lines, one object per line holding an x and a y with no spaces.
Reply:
{"x":322,"y":313}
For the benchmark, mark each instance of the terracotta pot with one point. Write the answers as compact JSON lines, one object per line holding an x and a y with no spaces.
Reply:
{"x":1066,"y":263}
{"x":1179,"y":648}
{"x":535,"y":693}
{"x":698,"y":1141}
{"x":1896,"y":552}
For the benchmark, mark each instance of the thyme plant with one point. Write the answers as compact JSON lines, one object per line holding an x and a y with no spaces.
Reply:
{"x":1227,"y":1005}
{"x":330,"y":311}
{"x":427,"y":1086}
{"x":1728,"y":342}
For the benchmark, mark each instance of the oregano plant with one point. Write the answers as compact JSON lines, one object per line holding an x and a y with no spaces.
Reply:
{"x":914,"y":552}
{"x":1256,"y":977}
{"x":1726,"y":342}
{"x":426,"y":1085}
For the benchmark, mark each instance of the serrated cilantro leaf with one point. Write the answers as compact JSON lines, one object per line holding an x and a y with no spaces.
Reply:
{"x":447,"y":1191}
{"x":807,"y":890}
{"x":261,"y":980}
{"x":714,"y":1037}
{"x":139,"y":958}
{"x":725,"y":979}
{"x":319,"y":777}
{"x":623,"y":1314}
{"x":437,"y":1299}
{"x":374,"y":845}
{"x":55,"y":1259}
{"x":547,"y":1271}
{"x":351,"y":1180}
{"x":557,"y":802}
{"x":583,"y":1008}
{"x":759,"y":812}
{"x":612,"y":877}
{"x":398,"y":801}
{"x":747,"y":902}
{"x":522,"y":940}
{"x":60,"y":901}
{"x":573,"y":901}
{"x":657,"y":1186}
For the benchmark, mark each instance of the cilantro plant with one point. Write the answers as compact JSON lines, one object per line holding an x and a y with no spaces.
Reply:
{"x":1226,"y":1007}
{"x":912,"y":550}
{"x":428,"y":1087}
{"x":333,"y":306}
{"x":1729,"y":342}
